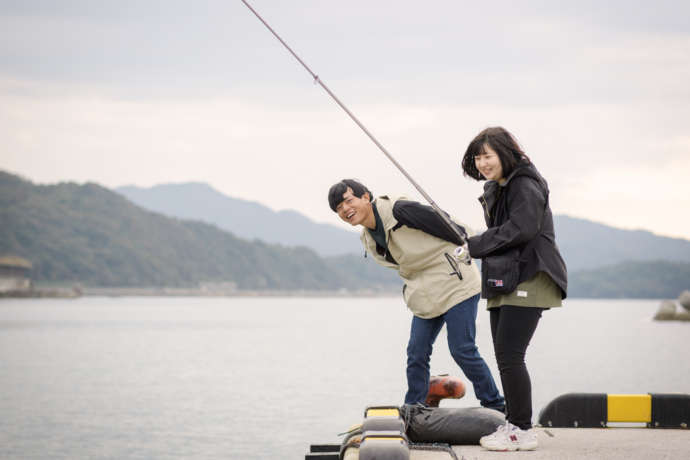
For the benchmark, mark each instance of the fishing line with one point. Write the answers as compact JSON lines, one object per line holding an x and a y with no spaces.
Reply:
{"x":433,"y":204}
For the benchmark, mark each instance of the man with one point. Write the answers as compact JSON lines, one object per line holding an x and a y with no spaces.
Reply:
{"x":412,"y":239}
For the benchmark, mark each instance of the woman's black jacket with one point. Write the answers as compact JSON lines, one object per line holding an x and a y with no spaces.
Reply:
{"x":517,"y":214}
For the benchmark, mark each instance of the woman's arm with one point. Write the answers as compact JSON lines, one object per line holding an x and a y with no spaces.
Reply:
{"x":526,"y":203}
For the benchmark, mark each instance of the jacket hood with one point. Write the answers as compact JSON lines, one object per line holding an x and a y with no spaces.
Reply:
{"x":387,"y":218}
{"x":492,"y":187}
{"x":528,"y":170}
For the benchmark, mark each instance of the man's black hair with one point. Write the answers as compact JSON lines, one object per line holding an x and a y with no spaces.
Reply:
{"x":335,"y":194}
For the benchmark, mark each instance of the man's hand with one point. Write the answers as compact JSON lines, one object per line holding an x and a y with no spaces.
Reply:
{"x":462,"y":254}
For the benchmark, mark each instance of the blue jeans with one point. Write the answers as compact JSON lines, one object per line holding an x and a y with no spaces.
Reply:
{"x":460,"y":322}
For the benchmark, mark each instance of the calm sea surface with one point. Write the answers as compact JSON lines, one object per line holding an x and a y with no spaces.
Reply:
{"x":262,"y":378}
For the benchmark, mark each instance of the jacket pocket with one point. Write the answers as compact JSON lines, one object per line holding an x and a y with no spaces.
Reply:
{"x":501,"y":273}
{"x":415,"y":293}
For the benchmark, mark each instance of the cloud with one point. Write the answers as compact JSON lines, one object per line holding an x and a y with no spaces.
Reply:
{"x":134,"y":92}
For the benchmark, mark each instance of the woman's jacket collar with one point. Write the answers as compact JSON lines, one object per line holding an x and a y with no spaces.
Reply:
{"x":491,"y":187}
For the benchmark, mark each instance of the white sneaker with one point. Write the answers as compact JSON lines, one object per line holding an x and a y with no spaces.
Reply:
{"x":508,"y":437}
{"x":491,"y":439}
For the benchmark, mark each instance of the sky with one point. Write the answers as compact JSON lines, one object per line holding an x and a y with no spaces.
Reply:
{"x":149,"y":92}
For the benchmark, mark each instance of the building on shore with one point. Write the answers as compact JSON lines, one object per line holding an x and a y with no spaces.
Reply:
{"x":14,"y":274}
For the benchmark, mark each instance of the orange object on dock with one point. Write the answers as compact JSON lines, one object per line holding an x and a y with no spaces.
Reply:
{"x":442,"y":387}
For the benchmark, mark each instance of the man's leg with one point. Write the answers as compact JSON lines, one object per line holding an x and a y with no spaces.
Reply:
{"x":460,"y":322}
{"x":422,"y":336}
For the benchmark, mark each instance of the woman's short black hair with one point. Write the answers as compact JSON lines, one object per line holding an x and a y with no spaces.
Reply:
{"x":502,"y":142}
{"x":335,"y":194}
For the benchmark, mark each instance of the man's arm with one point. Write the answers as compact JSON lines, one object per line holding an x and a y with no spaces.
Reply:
{"x":424,"y":218}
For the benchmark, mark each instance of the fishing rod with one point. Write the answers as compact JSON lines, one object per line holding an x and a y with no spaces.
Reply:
{"x":433,"y":204}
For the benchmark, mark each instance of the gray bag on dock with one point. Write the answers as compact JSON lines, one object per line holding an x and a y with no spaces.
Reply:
{"x":455,"y":426}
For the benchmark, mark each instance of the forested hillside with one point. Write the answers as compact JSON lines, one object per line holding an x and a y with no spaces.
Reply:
{"x":89,"y":234}
{"x":632,"y":279}
{"x":584,"y":244}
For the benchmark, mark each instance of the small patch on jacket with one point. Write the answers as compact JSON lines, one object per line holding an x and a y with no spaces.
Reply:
{"x":522,"y":293}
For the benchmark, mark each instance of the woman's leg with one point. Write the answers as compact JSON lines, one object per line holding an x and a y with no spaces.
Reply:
{"x":422,"y":336}
{"x":512,"y":329}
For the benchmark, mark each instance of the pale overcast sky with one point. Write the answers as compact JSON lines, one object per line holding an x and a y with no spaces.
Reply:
{"x":149,"y":92}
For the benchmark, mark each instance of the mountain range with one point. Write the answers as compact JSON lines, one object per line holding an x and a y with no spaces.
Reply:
{"x":91,"y":235}
{"x":245,"y":219}
{"x":584,"y":244}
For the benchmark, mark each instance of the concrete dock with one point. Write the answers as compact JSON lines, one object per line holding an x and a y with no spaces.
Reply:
{"x":579,"y":444}
{"x":588,"y":443}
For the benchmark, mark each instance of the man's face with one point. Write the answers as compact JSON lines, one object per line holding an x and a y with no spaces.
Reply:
{"x":354,"y":210}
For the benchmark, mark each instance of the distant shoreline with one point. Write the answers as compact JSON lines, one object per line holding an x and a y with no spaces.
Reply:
{"x":54,"y":293}
{"x":196,"y":292}
{"x":78,"y":291}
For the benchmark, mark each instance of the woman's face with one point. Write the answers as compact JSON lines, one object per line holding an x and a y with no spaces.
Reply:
{"x":489,"y":164}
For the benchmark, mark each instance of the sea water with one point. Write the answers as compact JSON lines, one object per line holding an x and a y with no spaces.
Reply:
{"x":263,"y":377}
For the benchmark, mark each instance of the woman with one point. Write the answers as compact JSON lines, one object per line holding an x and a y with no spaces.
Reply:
{"x":523,"y":272}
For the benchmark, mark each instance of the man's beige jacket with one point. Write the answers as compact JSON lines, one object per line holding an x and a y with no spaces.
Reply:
{"x":430,"y":289}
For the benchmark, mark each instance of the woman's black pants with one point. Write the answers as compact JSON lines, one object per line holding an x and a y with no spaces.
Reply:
{"x":512,"y":329}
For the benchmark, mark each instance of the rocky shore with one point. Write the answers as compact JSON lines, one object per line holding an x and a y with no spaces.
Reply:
{"x":62,"y":292}
{"x":669,"y":310}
